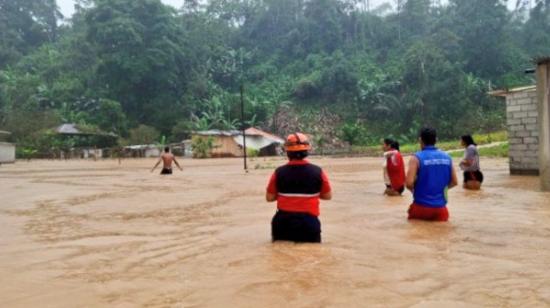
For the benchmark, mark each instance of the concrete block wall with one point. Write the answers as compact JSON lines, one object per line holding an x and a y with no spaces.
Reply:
{"x":523,"y":133}
{"x":7,"y":153}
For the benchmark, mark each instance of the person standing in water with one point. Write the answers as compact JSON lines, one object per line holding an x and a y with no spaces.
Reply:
{"x":470,"y":164}
{"x":431,"y":173}
{"x":166,"y":158}
{"x":297,"y":188}
{"x":394,"y":168}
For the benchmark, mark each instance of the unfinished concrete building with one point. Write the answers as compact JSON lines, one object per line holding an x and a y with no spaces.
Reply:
{"x":522,"y":121}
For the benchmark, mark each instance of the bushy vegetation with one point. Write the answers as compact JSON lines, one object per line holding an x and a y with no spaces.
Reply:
{"x":342,"y":72}
{"x":455,"y":146}
{"x":202,"y":146}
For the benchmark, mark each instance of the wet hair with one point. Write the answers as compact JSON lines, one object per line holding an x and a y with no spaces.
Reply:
{"x":428,"y":135}
{"x":166,"y":149}
{"x":299,"y":155}
{"x":395,"y":145}
{"x":468,"y":140}
{"x":392,"y":143}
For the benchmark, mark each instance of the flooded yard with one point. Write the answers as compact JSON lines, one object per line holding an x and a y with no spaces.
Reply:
{"x":84,"y":233}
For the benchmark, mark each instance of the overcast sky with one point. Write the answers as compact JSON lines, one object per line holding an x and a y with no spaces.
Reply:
{"x":67,"y":6}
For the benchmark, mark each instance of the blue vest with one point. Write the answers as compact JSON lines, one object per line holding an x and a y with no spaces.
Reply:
{"x":434,"y":175}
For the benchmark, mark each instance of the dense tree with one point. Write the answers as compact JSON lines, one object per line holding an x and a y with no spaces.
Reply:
{"x":25,"y":25}
{"x":537,"y":30}
{"x":136,"y":67}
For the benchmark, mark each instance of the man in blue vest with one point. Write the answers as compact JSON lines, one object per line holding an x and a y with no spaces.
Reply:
{"x":431,"y":173}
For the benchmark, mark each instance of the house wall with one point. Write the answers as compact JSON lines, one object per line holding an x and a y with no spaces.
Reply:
{"x":225,"y":146}
{"x":523,"y":131}
{"x":92,"y":153}
{"x":152,"y":152}
{"x":543,"y":86}
{"x":7,"y":152}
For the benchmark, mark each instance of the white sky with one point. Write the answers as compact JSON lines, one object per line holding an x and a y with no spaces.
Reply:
{"x":67,"y":6}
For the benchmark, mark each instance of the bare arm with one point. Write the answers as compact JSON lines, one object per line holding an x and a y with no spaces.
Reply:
{"x":326,"y":196}
{"x":177,"y":164}
{"x":467,"y":162}
{"x":411,"y":173}
{"x":454,"y":180}
{"x":270,"y":197}
{"x":156,"y":165}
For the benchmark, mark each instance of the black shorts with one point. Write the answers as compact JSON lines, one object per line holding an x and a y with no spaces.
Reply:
{"x":473,"y":176}
{"x":166,"y":171}
{"x":295,"y":227}
{"x":400,"y":190}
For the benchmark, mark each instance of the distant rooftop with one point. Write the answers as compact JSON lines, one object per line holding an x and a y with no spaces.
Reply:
{"x":74,"y":129}
{"x":252,"y":131}
{"x":505,"y":92}
{"x":217,"y":132}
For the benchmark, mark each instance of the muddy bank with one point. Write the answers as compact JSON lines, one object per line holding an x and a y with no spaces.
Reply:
{"x":82,"y":233}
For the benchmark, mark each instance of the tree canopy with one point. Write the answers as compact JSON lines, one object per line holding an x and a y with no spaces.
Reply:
{"x":122,"y":65}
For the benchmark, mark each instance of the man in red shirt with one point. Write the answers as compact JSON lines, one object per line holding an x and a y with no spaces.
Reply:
{"x":297,"y":188}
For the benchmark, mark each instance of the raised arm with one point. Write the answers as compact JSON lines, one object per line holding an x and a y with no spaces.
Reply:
{"x":411,"y":173}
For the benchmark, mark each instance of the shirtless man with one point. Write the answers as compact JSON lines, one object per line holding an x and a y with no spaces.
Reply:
{"x":166,"y":158}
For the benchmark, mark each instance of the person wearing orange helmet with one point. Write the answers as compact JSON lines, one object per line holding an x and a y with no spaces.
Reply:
{"x":297,"y":188}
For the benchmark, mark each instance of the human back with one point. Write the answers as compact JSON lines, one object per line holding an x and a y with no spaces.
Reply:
{"x":299,"y":185}
{"x":473,"y":177}
{"x":393,"y":168}
{"x":434,"y":175}
{"x":167,"y":160}
{"x":430,"y":174}
{"x":297,"y":188}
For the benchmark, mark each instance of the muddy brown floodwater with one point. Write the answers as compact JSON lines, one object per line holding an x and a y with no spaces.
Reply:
{"x":87,"y":234}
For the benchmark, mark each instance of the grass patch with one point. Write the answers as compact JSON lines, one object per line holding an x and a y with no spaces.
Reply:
{"x":446,"y":145}
{"x":500,"y":150}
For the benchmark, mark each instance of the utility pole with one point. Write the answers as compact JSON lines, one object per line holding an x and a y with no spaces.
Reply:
{"x":243,"y":128}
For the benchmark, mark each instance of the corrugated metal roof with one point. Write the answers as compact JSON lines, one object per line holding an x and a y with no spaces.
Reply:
{"x":73,"y":129}
{"x":252,"y":131}
{"x":506,"y":92}
{"x":68,"y":128}
{"x":217,"y":132}
{"x":3,"y":132}
{"x":141,"y":147}
{"x":255,"y":142}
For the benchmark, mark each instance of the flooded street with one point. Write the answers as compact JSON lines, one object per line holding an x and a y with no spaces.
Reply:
{"x":84,"y":233}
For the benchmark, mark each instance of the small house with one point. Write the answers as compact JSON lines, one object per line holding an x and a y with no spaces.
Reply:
{"x":522,"y":121}
{"x":7,"y":150}
{"x":142,"y":150}
{"x":230,"y":143}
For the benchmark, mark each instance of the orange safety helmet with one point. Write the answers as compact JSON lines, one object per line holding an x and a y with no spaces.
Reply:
{"x":297,"y":142}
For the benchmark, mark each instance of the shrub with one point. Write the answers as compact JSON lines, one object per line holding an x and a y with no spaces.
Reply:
{"x":202,"y":146}
{"x":252,"y":152}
